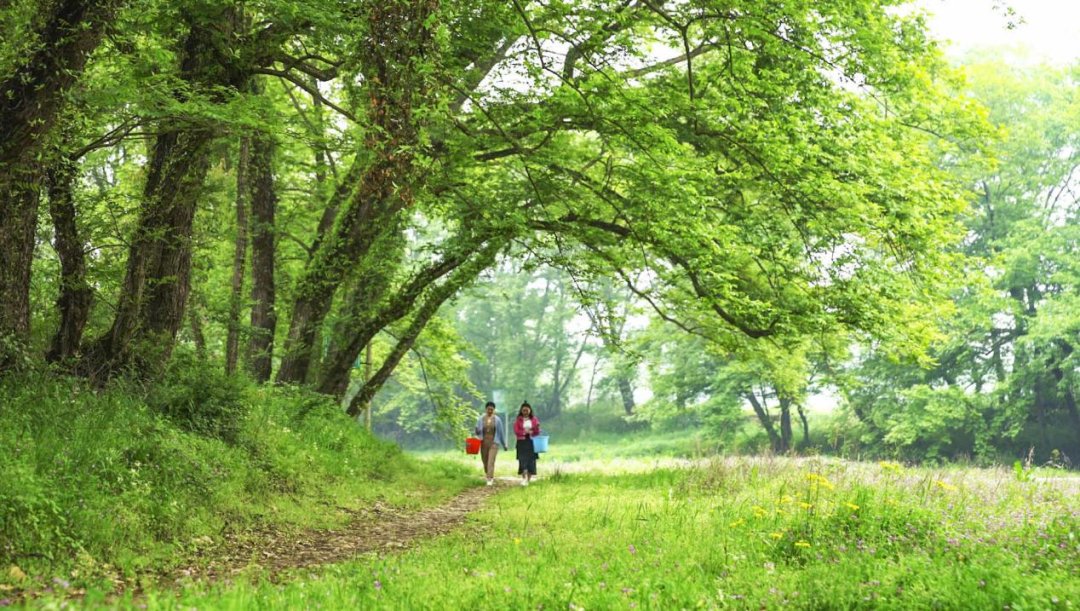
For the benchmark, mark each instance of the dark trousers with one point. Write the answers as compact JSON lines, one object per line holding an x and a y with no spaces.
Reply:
{"x":526,"y":457}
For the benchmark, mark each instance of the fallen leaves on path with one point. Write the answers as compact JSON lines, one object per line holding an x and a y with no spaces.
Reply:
{"x":379,"y":529}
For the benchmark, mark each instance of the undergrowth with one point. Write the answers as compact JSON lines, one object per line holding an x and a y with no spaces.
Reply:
{"x":98,"y":485}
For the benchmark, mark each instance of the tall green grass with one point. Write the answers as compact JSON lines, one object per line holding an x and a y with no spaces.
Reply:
{"x":96,"y":485}
{"x":733,"y":534}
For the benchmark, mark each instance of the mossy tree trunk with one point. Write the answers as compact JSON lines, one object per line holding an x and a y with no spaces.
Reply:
{"x":155,"y":289}
{"x":31,"y":97}
{"x":263,"y":199}
{"x":400,"y":38}
{"x":76,"y":295}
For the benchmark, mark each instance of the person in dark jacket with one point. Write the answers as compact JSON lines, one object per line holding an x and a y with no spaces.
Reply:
{"x":526,"y":426}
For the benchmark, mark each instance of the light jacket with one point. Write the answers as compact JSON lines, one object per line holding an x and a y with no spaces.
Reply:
{"x":519,"y":430}
{"x":500,"y":432}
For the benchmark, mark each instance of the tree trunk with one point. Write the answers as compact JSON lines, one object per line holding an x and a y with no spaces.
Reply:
{"x":263,"y":292}
{"x":786,"y":434}
{"x":362,"y":400}
{"x":369,"y":305}
{"x":197,"y":334}
{"x":560,"y":389}
{"x":1067,"y":394}
{"x":363,"y":326}
{"x":805,"y":425}
{"x":155,"y":288}
{"x":400,"y":35}
{"x":766,"y":423}
{"x":157,"y":281}
{"x":17,"y":225}
{"x":232,"y":339}
{"x":592,"y":384}
{"x":30,"y":99}
{"x":626,"y":391}
{"x":435,"y":298}
{"x":609,"y":325}
{"x":76,"y":295}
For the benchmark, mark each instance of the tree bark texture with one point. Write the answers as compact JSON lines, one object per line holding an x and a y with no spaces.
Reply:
{"x":76,"y":296}
{"x":236,"y":297}
{"x":30,"y":100}
{"x":401,"y":37}
{"x":263,"y":198}
{"x":17,"y":222}
{"x":156,"y":284}
{"x":370,"y":304}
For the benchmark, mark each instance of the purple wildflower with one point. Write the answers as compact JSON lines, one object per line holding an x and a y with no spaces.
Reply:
{"x":378,"y":584}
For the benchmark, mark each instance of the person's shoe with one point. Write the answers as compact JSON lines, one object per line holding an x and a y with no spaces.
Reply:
{"x":524,"y":482}
{"x":489,"y":482}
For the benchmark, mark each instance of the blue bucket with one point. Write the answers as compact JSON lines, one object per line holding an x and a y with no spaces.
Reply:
{"x":540,"y":443}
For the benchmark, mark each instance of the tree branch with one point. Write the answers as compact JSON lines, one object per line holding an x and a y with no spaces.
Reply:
{"x":292,"y":78}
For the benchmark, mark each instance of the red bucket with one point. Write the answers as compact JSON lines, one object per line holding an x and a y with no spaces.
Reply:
{"x":472,"y":445}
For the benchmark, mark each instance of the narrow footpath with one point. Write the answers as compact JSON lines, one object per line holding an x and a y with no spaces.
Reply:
{"x":378,"y":528}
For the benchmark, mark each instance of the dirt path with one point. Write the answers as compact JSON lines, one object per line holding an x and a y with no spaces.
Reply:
{"x":374,"y":529}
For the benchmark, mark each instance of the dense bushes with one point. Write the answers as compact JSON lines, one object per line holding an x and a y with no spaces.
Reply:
{"x":198,"y":397}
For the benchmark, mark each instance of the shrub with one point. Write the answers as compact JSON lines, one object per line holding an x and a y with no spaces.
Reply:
{"x":198,"y":397}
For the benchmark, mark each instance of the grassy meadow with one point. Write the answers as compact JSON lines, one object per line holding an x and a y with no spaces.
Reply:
{"x":725,"y":533}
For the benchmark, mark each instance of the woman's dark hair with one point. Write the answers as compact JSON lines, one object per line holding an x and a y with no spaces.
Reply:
{"x":522,"y":408}
{"x":489,"y":404}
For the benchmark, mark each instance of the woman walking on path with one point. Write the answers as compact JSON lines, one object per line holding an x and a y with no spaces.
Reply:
{"x":489,"y":428}
{"x":526,"y":426}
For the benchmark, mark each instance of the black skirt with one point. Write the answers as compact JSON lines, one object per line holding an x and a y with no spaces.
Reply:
{"x":526,"y":457}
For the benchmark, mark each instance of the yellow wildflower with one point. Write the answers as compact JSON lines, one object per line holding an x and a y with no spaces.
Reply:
{"x":806,"y":506}
{"x":944,"y":485}
{"x":801,"y":543}
{"x":737,"y":523}
{"x":820,"y":480}
{"x":776,"y":535}
{"x":852,"y":506}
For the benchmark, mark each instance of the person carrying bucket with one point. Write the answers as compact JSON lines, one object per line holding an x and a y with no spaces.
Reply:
{"x":489,"y":428}
{"x":526,"y":426}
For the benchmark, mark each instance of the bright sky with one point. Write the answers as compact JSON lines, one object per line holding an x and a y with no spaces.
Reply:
{"x":1050,"y":28}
